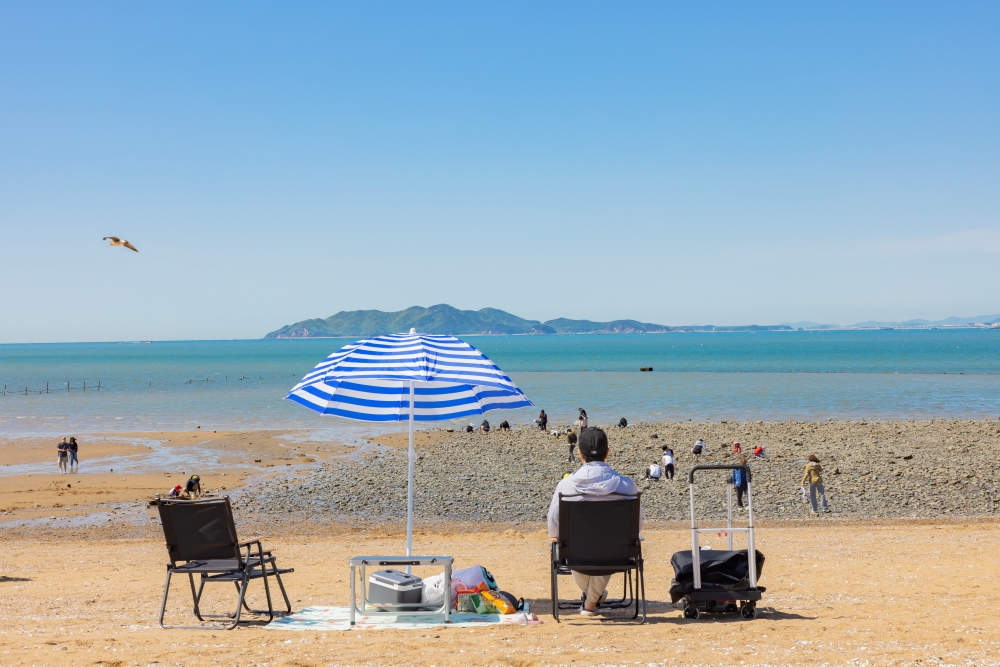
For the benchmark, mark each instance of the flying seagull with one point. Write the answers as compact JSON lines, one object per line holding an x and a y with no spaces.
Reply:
{"x":117,"y":241}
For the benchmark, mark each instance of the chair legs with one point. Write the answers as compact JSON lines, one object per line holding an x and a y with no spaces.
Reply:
{"x":241,"y":586}
{"x":627,"y":599}
{"x":640,"y":584}
{"x":634,"y":592}
{"x":554,"y":585}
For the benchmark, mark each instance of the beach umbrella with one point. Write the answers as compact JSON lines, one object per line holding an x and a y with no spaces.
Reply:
{"x":407,"y":377}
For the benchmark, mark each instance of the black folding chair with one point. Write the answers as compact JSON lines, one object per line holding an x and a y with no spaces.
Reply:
{"x":201,"y":539}
{"x":600,"y":537}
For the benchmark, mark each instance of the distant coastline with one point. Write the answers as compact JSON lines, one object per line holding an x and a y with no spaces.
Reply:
{"x":448,"y":320}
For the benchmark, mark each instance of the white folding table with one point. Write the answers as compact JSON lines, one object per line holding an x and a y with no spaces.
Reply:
{"x":418,"y":609}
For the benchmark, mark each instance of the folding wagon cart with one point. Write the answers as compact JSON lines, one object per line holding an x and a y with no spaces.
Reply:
{"x":718,"y":581}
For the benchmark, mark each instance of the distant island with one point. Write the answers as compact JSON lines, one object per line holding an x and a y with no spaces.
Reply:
{"x":445,"y":319}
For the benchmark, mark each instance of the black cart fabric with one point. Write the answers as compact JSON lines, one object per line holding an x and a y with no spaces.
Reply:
{"x":720,"y":571}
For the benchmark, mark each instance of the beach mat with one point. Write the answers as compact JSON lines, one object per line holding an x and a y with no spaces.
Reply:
{"x":338,"y":618}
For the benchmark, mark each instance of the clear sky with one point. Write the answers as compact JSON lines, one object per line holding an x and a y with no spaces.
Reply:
{"x":680,"y":163}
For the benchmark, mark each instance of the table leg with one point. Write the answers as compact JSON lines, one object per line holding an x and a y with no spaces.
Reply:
{"x":447,"y":592}
{"x":353,"y":596}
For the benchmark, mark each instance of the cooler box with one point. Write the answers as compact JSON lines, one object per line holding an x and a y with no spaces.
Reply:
{"x":394,"y":587}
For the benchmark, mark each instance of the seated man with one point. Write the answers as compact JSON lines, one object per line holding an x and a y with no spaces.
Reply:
{"x":653,"y":471}
{"x":504,"y":426}
{"x":594,"y":480}
{"x":485,"y":426}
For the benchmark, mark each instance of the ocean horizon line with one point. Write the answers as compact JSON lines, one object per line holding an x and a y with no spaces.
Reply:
{"x":735,"y":329}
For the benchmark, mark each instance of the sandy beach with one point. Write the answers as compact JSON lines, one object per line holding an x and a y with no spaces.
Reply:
{"x":870,"y":583}
{"x":844,"y":593}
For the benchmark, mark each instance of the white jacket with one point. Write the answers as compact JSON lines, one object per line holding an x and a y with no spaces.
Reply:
{"x":593,"y":480}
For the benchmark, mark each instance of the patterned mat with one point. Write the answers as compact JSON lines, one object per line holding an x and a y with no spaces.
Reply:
{"x":338,"y":618}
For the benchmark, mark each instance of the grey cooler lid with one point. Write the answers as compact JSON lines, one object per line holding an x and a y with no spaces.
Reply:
{"x":396,"y":580}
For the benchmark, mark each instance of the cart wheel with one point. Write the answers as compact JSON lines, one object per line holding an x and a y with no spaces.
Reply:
{"x":691,"y":612}
{"x":749,"y":611}
{"x":731,"y":607}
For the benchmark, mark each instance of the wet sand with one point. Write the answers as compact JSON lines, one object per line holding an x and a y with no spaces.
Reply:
{"x":134,"y":467}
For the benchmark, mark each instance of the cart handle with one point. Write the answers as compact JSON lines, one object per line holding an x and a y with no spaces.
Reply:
{"x":744,"y":468}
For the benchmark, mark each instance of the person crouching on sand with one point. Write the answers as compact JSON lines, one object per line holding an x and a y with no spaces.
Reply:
{"x":814,"y":475}
{"x":192,"y":489}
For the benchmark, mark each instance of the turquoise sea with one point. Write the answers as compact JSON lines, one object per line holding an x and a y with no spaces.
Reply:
{"x":699,"y":376}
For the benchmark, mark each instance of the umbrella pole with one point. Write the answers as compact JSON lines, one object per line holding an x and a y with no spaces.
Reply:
{"x":409,"y":488}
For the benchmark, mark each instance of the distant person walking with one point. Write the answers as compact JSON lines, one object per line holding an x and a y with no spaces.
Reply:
{"x":740,"y":483}
{"x":814,"y":475}
{"x":572,"y":445}
{"x":62,"y":455}
{"x":668,"y":463}
{"x":582,"y":420}
{"x":74,"y":461}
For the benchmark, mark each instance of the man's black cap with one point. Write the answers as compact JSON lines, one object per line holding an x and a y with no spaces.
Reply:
{"x":593,"y":443}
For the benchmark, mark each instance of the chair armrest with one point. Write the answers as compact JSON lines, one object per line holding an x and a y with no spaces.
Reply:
{"x":252,"y":540}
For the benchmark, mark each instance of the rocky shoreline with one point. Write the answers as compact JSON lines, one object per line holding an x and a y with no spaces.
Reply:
{"x":886,"y":469}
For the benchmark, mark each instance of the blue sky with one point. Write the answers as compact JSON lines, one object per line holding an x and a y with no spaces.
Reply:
{"x":726,"y":163}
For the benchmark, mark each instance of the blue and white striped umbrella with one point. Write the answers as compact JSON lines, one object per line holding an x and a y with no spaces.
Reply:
{"x":407,"y":377}
{"x":370,"y":381}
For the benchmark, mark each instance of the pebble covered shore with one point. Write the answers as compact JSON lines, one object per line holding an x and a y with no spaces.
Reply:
{"x":893,"y":469}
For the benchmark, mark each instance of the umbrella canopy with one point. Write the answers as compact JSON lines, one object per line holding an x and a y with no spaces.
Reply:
{"x":370,"y":381}
{"x":407,"y":377}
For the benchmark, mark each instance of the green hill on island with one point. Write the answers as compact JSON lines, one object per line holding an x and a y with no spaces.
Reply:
{"x":445,"y":319}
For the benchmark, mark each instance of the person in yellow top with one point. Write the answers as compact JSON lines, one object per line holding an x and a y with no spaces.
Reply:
{"x":814,"y":475}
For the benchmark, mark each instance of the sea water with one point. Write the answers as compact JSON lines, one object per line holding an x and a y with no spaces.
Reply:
{"x":53,"y":388}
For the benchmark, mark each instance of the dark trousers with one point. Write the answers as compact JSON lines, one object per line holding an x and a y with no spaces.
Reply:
{"x":571,"y":448}
{"x":668,"y":471}
{"x":740,"y":491}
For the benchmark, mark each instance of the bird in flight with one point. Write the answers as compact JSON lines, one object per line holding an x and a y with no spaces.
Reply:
{"x":117,"y":241}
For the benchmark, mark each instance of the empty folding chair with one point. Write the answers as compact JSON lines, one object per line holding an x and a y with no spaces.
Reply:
{"x":201,"y":539}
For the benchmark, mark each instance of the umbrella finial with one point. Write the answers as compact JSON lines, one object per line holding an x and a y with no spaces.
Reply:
{"x":412,"y":330}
